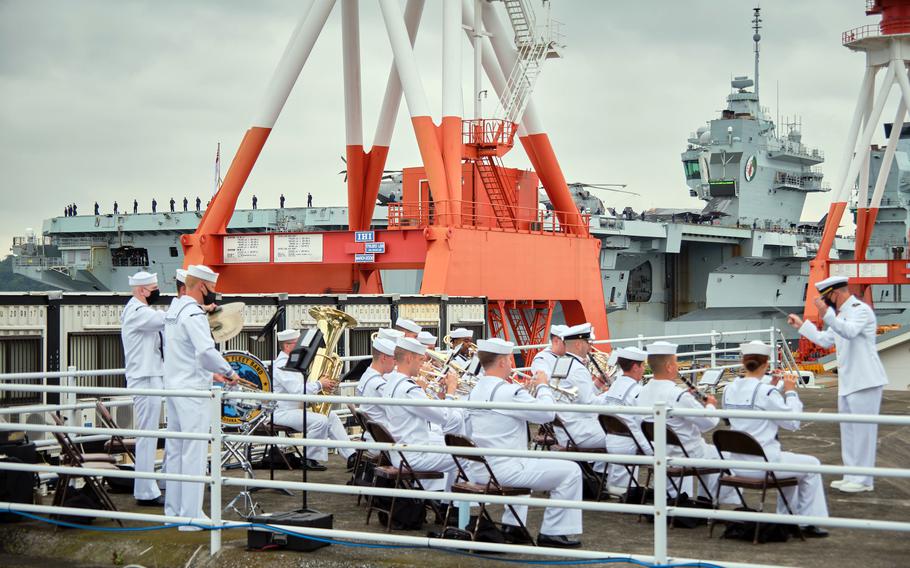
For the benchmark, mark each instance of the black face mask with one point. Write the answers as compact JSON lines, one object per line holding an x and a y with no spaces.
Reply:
{"x":154,"y":296}
{"x":208,"y":298}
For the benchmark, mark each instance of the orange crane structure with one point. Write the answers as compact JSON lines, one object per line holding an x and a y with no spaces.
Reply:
{"x":472,"y":224}
{"x":886,"y":46}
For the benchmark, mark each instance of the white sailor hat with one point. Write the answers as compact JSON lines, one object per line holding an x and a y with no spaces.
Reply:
{"x":390,"y":334}
{"x":407,"y":325}
{"x":426,"y":338}
{"x":558,"y":330}
{"x":143,"y":279}
{"x":632,"y":353}
{"x":831,"y":283}
{"x":181,"y":275}
{"x":288,"y":335}
{"x":461,"y":333}
{"x":495,"y":345}
{"x":202,"y":272}
{"x":411,"y":344}
{"x":384,"y":345}
{"x":662,"y":348}
{"x":580,"y":331}
{"x":755,"y":348}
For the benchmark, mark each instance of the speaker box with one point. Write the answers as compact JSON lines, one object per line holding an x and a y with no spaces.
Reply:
{"x":259,"y":538}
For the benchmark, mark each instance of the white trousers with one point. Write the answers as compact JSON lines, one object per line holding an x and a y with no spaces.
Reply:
{"x":318,"y":427}
{"x":807,"y":498}
{"x":858,"y":441}
{"x":618,"y":475}
{"x":431,"y":462}
{"x":692,"y":486}
{"x":147,"y":416}
{"x":561,"y":478}
{"x":186,"y":457}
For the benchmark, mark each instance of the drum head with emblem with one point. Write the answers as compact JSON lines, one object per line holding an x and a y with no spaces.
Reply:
{"x":251,"y":370}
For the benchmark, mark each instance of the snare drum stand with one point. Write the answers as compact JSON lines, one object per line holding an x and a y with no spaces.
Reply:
{"x":239,"y":452}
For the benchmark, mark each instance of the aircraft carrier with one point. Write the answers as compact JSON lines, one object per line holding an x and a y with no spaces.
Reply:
{"x":739,"y":261}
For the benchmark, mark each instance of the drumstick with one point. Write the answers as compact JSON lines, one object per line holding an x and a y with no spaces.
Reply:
{"x":246,"y":383}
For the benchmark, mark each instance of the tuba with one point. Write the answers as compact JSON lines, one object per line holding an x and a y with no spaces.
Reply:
{"x":327,"y":363}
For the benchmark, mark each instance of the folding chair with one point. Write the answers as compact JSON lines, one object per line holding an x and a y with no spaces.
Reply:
{"x":71,"y":456}
{"x":571,"y":446}
{"x":491,"y":487}
{"x":613,"y":425}
{"x":403,"y":476}
{"x":126,"y":445}
{"x":743,"y":443}
{"x":362,"y":460}
{"x":545,"y":437}
{"x":647,"y":428}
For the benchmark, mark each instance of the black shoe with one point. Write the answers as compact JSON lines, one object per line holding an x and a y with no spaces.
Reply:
{"x":513,"y":534}
{"x":352,"y":459}
{"x":813,"y":531}
{"x":557,"y":541}
{"x":156,"y":502}
{"x":313,"y":465}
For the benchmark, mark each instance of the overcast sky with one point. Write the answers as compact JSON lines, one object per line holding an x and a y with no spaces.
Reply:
{"x":105,"y":100}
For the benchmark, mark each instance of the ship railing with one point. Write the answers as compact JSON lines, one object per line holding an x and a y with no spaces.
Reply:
{"x":861,"y":32}
{"x":38,"y":261}
{"x":80,"y":242}
{"x":484,"y":216}
{"x":659,"y":462}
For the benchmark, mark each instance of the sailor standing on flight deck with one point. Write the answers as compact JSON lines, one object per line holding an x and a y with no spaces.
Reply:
{"x":190,"y":360}
{"x":861,"y":377}
{"x":142,"y":333}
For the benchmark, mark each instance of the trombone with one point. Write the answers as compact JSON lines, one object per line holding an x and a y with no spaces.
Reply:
{"x":563,"y":394}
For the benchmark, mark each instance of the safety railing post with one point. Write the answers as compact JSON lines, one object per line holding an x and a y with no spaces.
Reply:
{"x":773,"y":344}
{"x":713,"y":348}
{"x":70,"y":397}
{"x":215,"y":469}
{"x":660,"y":483}
{"x":641,"y":341}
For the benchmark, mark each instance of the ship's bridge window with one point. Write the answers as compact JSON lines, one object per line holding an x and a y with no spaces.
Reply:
{"x":692,"y":170}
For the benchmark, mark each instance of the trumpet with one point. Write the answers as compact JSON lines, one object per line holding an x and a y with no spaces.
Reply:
{"x":466,"y":349}
{"x":563,"y":394}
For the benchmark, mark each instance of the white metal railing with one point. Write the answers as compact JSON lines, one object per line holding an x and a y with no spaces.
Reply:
{"x":660,"y":461}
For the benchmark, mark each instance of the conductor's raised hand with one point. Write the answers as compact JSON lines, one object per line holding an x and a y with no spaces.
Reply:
{"x":795,"y":321}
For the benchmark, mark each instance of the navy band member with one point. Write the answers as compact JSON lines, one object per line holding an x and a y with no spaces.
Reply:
{"x":411,"y":424}
{"x":408,"y":327}
{"x":507,"y":429}
{"x":289,"y":413}
{"x":460,"y":338}
{"x":623,"y":392}
{"x":372,"y":382}
{"x":860,"y":375}
{"x":751,"y":393}
{"x":545,"y":360}
{"x":143,"y":350}
{"x":190,"y":359}
{"x":583,"y":426}
{"x":427,"y":339}
{"x":665,"y":387}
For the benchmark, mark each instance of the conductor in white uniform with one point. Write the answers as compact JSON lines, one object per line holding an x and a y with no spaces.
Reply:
{"x":584,"y":427}
{"x":143,"y":349}
{"x":750,"y":392}
{"x":507,"y":429}
{"x":289,"y":413}
{"x":623,"y":392}
{"x":860,"y":375}
{"x":190,"y":360}
{"x":411,"y":424}
{"x":545,"y":360}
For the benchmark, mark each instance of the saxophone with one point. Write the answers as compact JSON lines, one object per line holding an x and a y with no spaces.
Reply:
{"x":327,"y":363}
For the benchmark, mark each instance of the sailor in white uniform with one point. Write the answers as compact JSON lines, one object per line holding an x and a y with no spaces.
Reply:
{"x":583,"y":426}
{"x":190,"y":360}
{"x":407,"y":327}
{"x":623,"y":392}
{"x":689,"y":429}
{"x":142,"y":334}
{"x":411,"y":424}
{"x":427,"y":339}
{"x":860,"y":375}
{"x":290,"y":413}
{"x":372,"y":382}
{"x":545,"y":360}
{"x":507,"y":429}
{"x":460,"y":338}
{"x":750,"y":393}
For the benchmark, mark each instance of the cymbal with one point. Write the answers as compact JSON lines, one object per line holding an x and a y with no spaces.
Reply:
{"x":226,"y":322}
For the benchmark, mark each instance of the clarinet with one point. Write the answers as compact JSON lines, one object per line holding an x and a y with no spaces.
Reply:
{"x":699,"y":396}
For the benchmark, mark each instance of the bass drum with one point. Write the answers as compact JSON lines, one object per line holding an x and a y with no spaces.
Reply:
{"x":249,"y":368}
